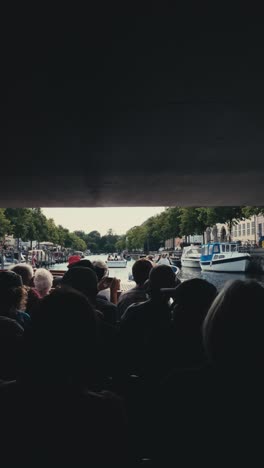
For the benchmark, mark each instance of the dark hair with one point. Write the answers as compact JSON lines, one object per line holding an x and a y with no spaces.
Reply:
{"x":161,"y":276}
{"x":26,"y":273}
{"x":194,"y":297}
{"x":82,"y":264}
{"x":61,"y":343}
{"x":83,"y":280}
{"x":233,"y":327}
{"x":141,"y":270}
{"x":100,"y":269}
{"x":13,"y":295}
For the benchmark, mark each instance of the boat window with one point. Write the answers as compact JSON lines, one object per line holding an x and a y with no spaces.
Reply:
{"x":233,"y":248}
{"x":227,"y":248}
{"x":223,"y":248}
{"x":211,"y":250}
{"x":205,"y":250}
{"x":216,"y":249}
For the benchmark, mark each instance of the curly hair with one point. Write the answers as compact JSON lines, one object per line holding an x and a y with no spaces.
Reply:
{"x":13,"y":298}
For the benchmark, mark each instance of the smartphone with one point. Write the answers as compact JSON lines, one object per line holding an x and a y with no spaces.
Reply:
{"x":107,"y":282}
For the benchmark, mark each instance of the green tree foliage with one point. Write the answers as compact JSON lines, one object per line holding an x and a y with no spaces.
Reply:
{"x":249,"y":211}
{"x":5,"y":224}
{"x":192,"y":221}
{"x":20,"y":219}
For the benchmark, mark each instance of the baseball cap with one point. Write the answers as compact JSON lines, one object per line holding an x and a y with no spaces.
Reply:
{"x":73,"y":259}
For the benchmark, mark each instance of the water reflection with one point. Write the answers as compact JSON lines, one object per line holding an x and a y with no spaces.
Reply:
{"x":218,"y":279}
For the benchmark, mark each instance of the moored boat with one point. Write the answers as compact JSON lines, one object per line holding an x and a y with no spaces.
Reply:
{"x":191,"y":256}
{"x":224,"y":257}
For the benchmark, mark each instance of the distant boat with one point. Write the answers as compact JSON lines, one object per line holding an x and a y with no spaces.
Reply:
{"x":191,"y":256}
{"x":116,"y":263}
{"x":224,"y":257}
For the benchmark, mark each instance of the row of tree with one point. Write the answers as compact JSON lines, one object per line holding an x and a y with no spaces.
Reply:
{"x":174,"y":222}
{"x":30,"y":224}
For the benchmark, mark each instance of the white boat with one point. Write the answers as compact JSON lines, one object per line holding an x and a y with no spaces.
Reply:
{"x":224,"y":257}
{"x":191,"y":256}
{"x":116,"y":263}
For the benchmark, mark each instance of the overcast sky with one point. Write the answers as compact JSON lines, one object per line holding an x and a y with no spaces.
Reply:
{"x":101,"y":219}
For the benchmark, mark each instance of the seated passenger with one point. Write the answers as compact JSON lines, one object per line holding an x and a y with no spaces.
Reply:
{"x":101,"y":271}
{"x":43,"y":281}
{"x":140,"y":271}
{"x":226,"y":396}
{"x":192,"y":300}
{"x":73,"y":259}
{"x":163,"y":260}
{"x":146,"y":330}
{"x":26,"y":272}
{"x":85,"y":280}
{"x":55,"y":404}
{"x":13,"y":298}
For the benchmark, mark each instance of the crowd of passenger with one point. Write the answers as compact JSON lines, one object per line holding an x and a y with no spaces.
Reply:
{"x":165,"y":373}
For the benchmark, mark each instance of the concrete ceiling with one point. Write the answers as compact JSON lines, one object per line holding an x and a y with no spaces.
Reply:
{"x":136,"y":109}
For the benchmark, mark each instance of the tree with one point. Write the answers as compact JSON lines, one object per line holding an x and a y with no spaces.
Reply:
{"x":20,"y":219}
{"x":192,"y":221}
{"x":53,"y":232}
{"x":5,"y":224}
{"x":249,"y":211}
{"x":229,"y":215}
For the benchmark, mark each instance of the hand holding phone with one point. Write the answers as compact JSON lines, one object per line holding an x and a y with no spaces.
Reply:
{"x":105,"y":283}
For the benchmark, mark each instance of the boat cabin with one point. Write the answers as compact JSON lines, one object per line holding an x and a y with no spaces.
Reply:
{"x":219,"y":248}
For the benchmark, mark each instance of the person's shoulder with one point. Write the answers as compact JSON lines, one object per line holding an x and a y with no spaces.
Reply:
{"x":135,"y":310}
{"x":104,"y":303}
{"x":126,"y":294}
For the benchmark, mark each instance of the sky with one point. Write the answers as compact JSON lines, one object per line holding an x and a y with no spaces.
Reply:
{"x":101,"y":219}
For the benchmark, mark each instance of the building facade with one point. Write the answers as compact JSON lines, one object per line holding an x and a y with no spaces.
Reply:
{"x":248,"y":231}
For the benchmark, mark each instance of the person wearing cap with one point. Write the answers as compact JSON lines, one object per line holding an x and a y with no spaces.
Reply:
{"x":85,"y":280}
{"x":192,"y":300}
{"x":146,"y":328}
{"x":13,"y":298}
{"x":73,"y":259}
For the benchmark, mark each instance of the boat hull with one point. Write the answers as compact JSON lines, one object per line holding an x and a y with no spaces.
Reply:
{"x":190,"y":263}
{"x":116,"y":264}
{"x":230,"y":265}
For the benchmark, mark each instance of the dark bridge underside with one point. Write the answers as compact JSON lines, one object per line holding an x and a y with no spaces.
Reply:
{"x":125,"y":110}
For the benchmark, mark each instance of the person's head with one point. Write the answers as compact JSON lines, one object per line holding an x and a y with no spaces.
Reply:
{"x":82,"y":264}
{"x":233,"y":327}
{"x":25,"y":271}
{"x":43,"y":280}
{"x":100,"y":269}
{"x":192,"y":300}
{"x":83,"y":280}
{"x":141,"y":270}
{"x":61,"y":344}
{"x":73,"y":259}
{"x":160,"y":277}
{"x":13,"y":295}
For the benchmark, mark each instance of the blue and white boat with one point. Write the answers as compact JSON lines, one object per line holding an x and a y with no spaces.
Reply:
{"x":224,"y":257}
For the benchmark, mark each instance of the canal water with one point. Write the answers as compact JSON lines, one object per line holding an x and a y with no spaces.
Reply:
{"x":218,"y":279}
